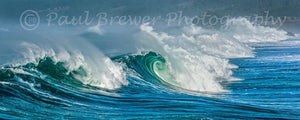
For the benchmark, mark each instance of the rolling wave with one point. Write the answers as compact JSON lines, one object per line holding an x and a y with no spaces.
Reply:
{"x":196,"y":60}
{"x":68,"y":75}
{"x":199,"y":58}
{"x":70,"y":63}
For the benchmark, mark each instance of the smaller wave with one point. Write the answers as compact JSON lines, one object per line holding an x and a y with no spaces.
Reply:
{"x":245,"y":31}
{"x":90,"y":68}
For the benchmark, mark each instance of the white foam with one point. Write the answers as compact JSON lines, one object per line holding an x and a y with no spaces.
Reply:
{"x":199,"y":58}
{"x":101,"y":71}
{"x":245,"y":31}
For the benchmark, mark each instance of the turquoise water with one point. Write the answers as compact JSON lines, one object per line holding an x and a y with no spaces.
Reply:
{"x":269,"y":89}
{"x":237,"y":69}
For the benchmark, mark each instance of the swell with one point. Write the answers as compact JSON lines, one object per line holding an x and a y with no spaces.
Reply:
{"x":70,"y":64}
{"x":197,"y":59}
{"x":69,"y":78}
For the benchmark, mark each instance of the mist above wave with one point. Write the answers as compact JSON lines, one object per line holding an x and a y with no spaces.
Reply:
{"x":199,"y":58}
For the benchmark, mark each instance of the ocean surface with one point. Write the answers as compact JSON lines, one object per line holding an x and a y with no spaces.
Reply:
{"x":238,"y":70}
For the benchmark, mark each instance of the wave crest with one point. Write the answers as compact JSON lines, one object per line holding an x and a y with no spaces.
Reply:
{"x":88,"y":67}
{"x":199,"y":58}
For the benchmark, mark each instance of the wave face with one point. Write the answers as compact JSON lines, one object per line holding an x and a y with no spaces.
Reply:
{"x":199,"y":59}
{"x":149,"y":64}
{"x":90,"y":69}
{"x":181,"y":72}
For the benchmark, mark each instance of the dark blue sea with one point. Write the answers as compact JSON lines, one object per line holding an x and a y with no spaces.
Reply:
{"x":51,"y":68}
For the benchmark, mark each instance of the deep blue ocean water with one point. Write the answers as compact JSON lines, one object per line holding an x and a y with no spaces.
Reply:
{"x":268,"y":89}
{"x":270,"y":79}
{"x":238,"y":68}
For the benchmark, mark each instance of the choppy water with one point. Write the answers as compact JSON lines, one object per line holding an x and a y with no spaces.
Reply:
{"x":269,"y":89}
{"x":238,"y":70}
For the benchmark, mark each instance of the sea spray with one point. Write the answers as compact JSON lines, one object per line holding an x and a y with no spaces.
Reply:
{"x":199,"y":58}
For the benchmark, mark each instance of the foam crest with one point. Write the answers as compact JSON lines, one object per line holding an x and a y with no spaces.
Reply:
{"x":199,"y":58}
{"x":94,"y":68}
{"x":245,"y":31}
